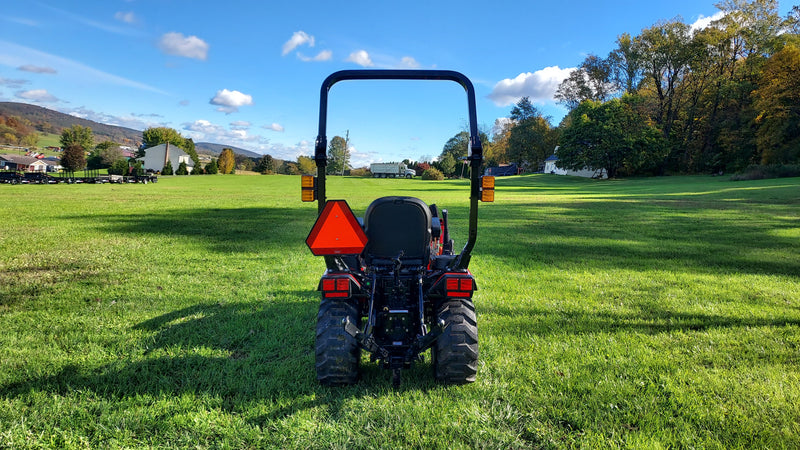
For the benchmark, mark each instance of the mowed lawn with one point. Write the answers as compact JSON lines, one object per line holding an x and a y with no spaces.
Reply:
{"x":644,"y":313}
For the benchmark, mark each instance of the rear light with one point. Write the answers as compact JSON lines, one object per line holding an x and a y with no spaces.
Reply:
{"x":487,"y":189}
{"x":308,"y":191}
{"x":335,"y":287}
{"x":459,"y":286}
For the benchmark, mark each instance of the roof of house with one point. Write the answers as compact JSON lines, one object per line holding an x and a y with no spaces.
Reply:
{"x":552,"y":157}
{"x":18,"y":159}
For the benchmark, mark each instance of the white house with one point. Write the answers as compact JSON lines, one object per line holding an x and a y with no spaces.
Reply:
{"x":155,"y":158}
{"x":22,"y":163}
{"x":550,"y":167}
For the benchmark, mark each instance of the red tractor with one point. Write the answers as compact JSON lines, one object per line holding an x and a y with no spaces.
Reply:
{"x":394,"y":286}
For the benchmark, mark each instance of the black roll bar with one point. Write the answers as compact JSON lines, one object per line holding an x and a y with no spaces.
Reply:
{"x":474,"y":152}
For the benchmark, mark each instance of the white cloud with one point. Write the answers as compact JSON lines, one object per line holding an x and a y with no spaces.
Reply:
{"x":274,"y":127}
{"x":704,"y":22}
{"x":360,"y":57}
{"x":127,"y":17}
{"x":324,"y":55}
{"x":37,"y":95}
{"x":539,"y":86}
{"x":187,"y":46}
{"x":409,"y":63}
{"x":298,"y":38}
{"x":36,"y":69}
{"x":240,"y":124}
{"x":230,"y":101}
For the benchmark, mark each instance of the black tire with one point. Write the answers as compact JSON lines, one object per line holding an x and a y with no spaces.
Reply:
{"x":455,"y":352}
{"x":408,"y":175}
{"x":337,"y":353}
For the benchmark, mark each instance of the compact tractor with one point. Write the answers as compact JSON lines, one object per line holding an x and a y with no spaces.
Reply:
{"x":394,"y":286}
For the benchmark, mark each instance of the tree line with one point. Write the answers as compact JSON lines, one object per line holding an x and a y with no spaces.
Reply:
{"x":671,"y":99}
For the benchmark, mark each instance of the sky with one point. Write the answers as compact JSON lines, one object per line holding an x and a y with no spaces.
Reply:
{"x":248,"y":73}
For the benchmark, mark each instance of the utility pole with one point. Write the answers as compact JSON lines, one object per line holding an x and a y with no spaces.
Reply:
{"x":346,"y":149}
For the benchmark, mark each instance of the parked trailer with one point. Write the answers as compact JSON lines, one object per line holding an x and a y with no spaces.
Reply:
{"x":391,"y":170}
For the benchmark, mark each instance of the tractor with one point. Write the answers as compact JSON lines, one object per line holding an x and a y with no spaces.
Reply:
{"x":394,"y":286}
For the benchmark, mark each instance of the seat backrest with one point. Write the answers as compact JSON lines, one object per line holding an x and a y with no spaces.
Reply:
{"x":395,"y":224}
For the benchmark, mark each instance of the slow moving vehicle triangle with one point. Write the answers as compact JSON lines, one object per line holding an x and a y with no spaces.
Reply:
{"x":336,"y":231}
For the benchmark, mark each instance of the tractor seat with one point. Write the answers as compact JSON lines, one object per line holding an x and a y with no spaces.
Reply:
{"x":394,"y":225}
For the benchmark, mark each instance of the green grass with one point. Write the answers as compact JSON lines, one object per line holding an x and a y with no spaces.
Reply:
{"x":643,"y":313}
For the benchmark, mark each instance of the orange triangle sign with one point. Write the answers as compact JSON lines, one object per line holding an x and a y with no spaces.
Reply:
{"x":336,"y":231}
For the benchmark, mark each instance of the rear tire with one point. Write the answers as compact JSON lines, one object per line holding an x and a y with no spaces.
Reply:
{"x":337,"y":353}
{"x":455,"y":352}
{"x":408,"y":175}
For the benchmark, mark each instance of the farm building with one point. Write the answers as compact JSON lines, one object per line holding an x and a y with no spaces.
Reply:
{"x":22,"y":163}
{"x":155,"y":158}
{"x":550,"y":167}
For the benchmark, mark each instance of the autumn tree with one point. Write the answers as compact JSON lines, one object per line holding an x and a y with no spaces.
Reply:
{"x":226,"y":162}
{"x":778,"y":104}
{"x":73,"y":158}
{"x":306,"y":165}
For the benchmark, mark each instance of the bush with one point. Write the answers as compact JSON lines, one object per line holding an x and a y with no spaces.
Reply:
{"x":167,"y":170}
{"x":120,"y":167}
{"x":182,"y":170}
{"x":432,"y":174}
{"x":360,"y":172}
{"x":759,"y":172}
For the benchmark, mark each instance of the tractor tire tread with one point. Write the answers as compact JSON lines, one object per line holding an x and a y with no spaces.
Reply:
{"x":337,"y":353}
{"x":455,"y":352}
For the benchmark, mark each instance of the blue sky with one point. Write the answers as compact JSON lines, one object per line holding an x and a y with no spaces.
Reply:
{"x":248,"y":73}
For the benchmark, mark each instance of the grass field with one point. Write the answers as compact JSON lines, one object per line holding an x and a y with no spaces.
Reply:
{"x":645,"y":313}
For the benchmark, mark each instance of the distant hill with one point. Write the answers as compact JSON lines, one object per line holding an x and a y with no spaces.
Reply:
{"x":215,"y":149}
{"x":49,"y":121}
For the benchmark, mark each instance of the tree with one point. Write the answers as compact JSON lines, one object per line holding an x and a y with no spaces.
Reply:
{"x":531,"y":139}
{"x":338,"y":156}
{"x":104,"y":155}
{"x":73,"y":158}
{"x":591,"y":81}
{"x":447,"y":164}
{"x":182,"y":170}
{"x":610,"y":136}
{"x":306,"y":165}
{"x":167,"y":170}
{"x":226,"y":161}
{"x":77,"y":135}
{"x":265,"y":165}
{"x":29,"y":140}
{"x":211,"y":168}
{"x":778,"y":104}
{"x":120,"y":167}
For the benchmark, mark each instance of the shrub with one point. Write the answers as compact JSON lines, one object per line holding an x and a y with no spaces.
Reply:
{"x":760,"y":172}
{"x":167,"y":170}
{"x":360,"y":172}
{"x":211,"y":168}
{"x":432,"y":174}
{"x":182,"y":170}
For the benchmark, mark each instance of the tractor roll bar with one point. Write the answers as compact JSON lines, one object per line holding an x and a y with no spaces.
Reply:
{"x":474,"y":152}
